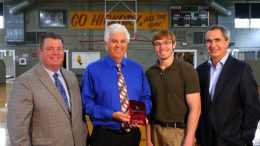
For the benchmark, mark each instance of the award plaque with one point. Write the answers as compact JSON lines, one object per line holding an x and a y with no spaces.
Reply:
{"x":137,"y":112}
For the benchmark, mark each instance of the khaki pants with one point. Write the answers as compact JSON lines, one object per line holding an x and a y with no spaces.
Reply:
{"x":167,"y":136}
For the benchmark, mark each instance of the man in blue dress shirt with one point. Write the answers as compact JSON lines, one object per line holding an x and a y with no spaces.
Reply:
{"x":100,"y":92}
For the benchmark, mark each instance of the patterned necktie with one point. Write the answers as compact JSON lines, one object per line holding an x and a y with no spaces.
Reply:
{"x":124,"y":99}
{"x":61,"y":90}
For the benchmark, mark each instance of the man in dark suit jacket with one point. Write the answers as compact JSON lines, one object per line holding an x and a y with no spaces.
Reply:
{"x":229,"y":95}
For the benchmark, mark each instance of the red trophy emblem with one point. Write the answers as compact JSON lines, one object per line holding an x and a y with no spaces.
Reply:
{"x":137,"y":112}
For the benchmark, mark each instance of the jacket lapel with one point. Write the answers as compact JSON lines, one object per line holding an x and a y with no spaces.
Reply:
{"x":207,"y":79}
{"x":222,"y":78}
{"x":69,"y":81}
{"x":48,"y":83}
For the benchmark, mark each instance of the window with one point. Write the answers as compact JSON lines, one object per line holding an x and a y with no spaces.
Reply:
{"x":1,"y":15}
{"x":199,"y":38}
{"x":247,"y":15}
{"x":255,"y":23}
{"x":241,"y":23}
{"x":249,"y":55}
{"x":30,"y":37}
{"x":242,"y":10}
{"x":33,"y":37}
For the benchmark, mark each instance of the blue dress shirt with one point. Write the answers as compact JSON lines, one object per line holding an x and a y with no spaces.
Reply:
{"x":100,"y":94}
{"x":214,"y":74}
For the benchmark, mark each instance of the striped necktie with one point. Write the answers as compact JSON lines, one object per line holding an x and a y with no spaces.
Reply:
{"x":124,"y":99}
{"x":61,"y":90}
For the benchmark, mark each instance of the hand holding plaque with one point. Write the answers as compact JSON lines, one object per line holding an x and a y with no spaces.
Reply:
{"x":137,"y":112}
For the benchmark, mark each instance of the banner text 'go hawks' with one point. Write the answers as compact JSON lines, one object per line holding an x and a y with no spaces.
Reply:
{"x":96,"y":20}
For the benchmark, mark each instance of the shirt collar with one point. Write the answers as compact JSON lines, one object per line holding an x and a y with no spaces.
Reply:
{"x":222,"y":61}
{"x":112,"y":63}
{"x":51,"y":73}
{"x":173,"y":65}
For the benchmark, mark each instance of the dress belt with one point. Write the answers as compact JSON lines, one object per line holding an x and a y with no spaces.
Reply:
{"x":181,"y":125}
{"x":120,"y":131}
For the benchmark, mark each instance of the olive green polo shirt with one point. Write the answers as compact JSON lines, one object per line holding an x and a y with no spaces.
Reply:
{"x":169,"y":88}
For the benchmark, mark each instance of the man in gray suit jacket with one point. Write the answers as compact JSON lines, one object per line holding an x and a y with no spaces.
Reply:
{"x":42,"y":109}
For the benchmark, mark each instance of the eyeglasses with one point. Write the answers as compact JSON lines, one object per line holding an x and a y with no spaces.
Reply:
{"x":165,"y":43}
{"x":51,"y":49}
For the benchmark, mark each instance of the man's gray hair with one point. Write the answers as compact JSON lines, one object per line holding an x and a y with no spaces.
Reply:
{"x":223,"y":29}
{"x":116,"y":28}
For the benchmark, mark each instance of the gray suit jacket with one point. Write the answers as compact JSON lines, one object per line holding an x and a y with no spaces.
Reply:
{"x":37,"y":114}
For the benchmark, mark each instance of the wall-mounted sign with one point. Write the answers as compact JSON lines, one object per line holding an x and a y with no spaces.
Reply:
{"x":53,"y":18}
{"x":82,"y":59}
{"x":22,"y":61}
{"x":184,"y":44}
{"x":96,"y":20}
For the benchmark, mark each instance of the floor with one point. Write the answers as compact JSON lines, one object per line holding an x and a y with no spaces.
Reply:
{"x":5,"y":90}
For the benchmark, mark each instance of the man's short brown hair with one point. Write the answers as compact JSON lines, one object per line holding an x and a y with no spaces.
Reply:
{"x":49,"y":35}
{"x":163,"y":33}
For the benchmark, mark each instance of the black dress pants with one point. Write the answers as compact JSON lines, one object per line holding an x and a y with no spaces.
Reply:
{"x":102,"y":136}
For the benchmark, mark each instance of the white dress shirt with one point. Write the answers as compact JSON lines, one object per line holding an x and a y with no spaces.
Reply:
{"x":60,"y":77}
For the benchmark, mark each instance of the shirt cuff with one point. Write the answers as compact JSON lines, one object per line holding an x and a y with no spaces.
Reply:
{"x":108,"y":113}
{"x":147,"y":108}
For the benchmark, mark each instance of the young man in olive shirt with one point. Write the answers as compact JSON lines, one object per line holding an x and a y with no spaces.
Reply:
{"x":175,"y":95}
